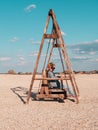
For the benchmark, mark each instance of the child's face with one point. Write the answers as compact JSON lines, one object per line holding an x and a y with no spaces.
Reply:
{"x":53,"y":67}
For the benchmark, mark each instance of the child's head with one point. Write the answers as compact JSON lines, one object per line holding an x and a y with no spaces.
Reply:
{"x":51,"y":65}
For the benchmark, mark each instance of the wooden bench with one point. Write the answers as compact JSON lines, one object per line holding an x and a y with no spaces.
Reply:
{"x":46,"y":92}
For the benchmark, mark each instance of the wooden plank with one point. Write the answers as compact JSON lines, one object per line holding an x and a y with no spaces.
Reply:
{"x":57,"y":45}
{"x":56,"y":90}
{"x":66,"y":78}
{"x":50,"y":96}
{"x":51,"y":36}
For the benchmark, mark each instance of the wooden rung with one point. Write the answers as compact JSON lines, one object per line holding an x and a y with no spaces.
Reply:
{"x":50,"y":96}
{"x":56,"y":90}
{"x":51,"y":36}
{"x":66,"y":78}
{"x":57,"y":45}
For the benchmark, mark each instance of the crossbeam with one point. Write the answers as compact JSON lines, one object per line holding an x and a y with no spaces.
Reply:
{"x":51,"y":36}
{"x":67,"y":78}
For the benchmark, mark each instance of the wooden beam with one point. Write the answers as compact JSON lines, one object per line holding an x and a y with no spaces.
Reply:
{"x":65,"y":78}
{"x":57,"y":29}
{"x":57,"y":45}
{"x":35,"y":69}
{"x":56,"y":90}
{"x":46,"y":26}
{"x":51,"y":36}
{"x":50,"y":96}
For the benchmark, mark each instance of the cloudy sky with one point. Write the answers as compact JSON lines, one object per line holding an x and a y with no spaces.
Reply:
{"x":22,"y":24}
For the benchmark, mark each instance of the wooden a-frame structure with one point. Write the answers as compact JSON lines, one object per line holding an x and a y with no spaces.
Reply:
{"x":57,"y":42}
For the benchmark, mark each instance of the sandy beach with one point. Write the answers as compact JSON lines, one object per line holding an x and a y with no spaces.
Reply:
{"x":47,"y":115}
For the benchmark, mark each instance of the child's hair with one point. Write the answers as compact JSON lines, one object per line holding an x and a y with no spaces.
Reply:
{"x":51,"y":65}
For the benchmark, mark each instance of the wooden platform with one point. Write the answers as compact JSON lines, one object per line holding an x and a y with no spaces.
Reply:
{"x":53,"y":93}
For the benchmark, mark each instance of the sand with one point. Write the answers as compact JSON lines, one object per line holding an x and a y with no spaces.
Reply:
{"x":47,"y":115}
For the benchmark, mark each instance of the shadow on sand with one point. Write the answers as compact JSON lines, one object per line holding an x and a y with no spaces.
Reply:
{"x":22,"y":92}
{"x":19,"y":91}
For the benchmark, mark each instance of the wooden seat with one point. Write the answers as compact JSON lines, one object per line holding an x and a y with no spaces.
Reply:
{"x":46,"y":92}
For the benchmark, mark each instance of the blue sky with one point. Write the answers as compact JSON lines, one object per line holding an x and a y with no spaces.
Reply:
{"x":22,"y":24}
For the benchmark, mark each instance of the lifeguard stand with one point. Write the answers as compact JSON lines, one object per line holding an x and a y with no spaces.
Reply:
{"x":68,"y":75}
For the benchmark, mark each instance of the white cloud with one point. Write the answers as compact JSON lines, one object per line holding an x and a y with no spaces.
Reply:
{"x":30,"y":7}
{"x":37,"y":42}
{"x":76,"y":49}
{"x":82,"y":52}
{"x":21,"y":58}
{"x":97,"y":60}
{"x":36,"y":53}
{"x":5,"y":58}
{"x":14,"y":39}
{"x":34,"y":42}
{"x":85,"y":48}
{"x":21,"y":63}
{"x":92,"y":52}
{"x":86,"y":43}
{"x":80,"y":58}
{"x":96,"y":40}
{"x":33,"y":53}
{"x":64,"y":34}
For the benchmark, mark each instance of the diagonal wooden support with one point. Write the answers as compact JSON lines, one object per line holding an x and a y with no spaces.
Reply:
{"x":35,"y":69}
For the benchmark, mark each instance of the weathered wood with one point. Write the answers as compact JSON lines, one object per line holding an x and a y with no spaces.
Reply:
{"x":57,"y":29}
{"x":69,"y":69}
{"x":66,"y":78}
{"x":47,"y":22}
{"x":50,"y":96}
{"x":71,"y":74}
{"x":50,"y":55}
{"x":42,"y":90}
{"x":46,"y":90}
{"x":57,"y":45}
{"x":44,"y":87}
{"x":55,"y":35}
{"x":51,"y":36}
{"x":54,"y":90}
{"x":35,"y":69}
